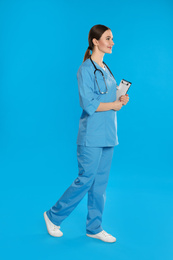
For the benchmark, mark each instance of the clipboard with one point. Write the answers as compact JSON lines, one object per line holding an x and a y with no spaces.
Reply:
{"x":122,"y":88}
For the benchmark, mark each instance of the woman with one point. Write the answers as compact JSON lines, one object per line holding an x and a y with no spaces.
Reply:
{"x":96,"y":138}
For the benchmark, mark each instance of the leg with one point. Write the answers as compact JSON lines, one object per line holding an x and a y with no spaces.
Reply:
{"x":97,"y":193}
{"x":88,"y":162}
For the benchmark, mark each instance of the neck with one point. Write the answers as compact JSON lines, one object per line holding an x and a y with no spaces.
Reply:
{"x":98,"y":58}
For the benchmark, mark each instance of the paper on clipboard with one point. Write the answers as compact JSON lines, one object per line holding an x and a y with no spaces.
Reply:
{"x":122,"y":88}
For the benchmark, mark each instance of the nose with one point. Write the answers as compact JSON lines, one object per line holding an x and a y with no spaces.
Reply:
{"x":112,"y":43}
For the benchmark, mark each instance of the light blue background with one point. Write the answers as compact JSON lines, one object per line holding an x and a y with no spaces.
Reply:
{"x":41,"y":48}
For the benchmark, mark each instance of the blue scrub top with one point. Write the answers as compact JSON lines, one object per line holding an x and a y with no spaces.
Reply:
{"x":96,"y":128}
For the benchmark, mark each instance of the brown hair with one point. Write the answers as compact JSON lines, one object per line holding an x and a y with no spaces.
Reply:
{"x":95,"y":32}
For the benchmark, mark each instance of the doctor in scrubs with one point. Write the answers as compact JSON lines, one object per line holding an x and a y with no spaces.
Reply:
{"x":96,"y":139}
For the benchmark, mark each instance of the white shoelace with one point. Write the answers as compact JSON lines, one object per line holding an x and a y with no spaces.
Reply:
{"x":106,"y":234}
{"x":55,"y":227}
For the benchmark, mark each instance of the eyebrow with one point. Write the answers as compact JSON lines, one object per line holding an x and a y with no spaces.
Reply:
{"x":109,"y":36}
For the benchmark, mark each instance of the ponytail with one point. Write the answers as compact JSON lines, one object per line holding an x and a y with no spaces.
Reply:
{"x":87,"y":53}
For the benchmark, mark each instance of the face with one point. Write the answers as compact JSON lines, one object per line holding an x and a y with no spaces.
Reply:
{"x":105,"y":43}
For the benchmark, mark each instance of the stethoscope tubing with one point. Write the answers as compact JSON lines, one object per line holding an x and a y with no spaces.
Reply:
{"x":96,"y":69}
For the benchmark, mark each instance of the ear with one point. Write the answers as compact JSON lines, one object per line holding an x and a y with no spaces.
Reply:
{"x":95,"y":42}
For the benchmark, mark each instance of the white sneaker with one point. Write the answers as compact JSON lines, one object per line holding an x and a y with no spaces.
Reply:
{"x":104,"y":236}
{"x":52,"y":229}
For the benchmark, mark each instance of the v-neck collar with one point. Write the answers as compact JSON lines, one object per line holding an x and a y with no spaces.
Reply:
{"x":106,"y":71}
{"x":97,"y":65}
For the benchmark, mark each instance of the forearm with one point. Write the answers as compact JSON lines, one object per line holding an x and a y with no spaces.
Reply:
{"x":105,"y":106}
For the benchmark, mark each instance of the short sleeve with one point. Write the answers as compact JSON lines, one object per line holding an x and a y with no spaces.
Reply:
{"x":86,"y":91}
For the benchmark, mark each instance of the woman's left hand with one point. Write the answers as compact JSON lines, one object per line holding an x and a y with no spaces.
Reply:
{"x":124,"y":99}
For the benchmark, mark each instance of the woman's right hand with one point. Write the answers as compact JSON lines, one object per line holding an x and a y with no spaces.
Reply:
{"x":117,"y":105}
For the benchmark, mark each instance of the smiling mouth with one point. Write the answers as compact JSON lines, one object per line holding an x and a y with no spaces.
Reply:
{"x":110,"y":47}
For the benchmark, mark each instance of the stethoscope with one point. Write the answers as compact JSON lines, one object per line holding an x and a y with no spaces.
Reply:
{"x":101,"y":92}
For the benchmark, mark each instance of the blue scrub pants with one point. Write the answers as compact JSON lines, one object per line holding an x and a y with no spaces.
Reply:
{"x":94,"y":165}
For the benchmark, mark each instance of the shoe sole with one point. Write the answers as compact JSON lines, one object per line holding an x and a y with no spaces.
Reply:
{"x":100,"y":238}
{"x":52,"y":234}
